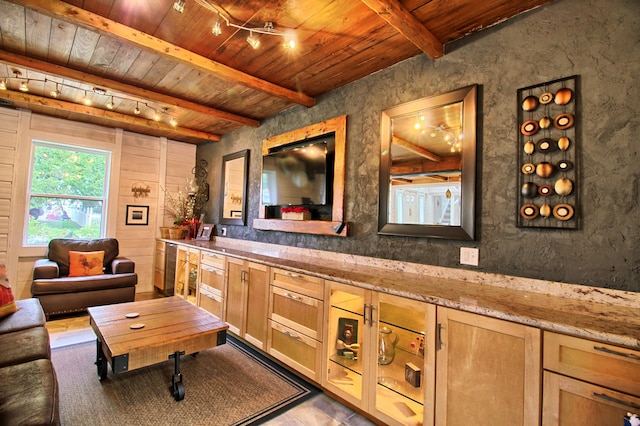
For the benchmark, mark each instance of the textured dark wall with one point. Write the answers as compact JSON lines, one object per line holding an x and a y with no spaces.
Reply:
{"x":595,"y":39}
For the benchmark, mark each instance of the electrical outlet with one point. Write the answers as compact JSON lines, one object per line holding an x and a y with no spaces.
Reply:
{"x":469,"y":256}
{"x":223,"y":232}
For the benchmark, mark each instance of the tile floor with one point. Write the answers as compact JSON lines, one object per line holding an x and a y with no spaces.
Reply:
{"x":320,"y":410}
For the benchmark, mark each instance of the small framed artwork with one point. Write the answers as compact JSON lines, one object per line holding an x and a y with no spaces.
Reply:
{"x":204,"y":232}
{"x":236,"y":214}
{"x":137,"y":215}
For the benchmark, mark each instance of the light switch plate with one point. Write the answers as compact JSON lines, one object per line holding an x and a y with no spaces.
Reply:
{"x":469,"y":256}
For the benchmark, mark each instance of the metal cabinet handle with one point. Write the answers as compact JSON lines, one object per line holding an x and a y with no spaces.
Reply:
{"x":292,"y":296}
{"x":371,"y":309}
{"x":293,"y":336}
{"x":365,"y":314}
{"x":439,"y":336}
{"x":616,"y":401}
{"x":292,"y":275}
{"x":612,"y":352}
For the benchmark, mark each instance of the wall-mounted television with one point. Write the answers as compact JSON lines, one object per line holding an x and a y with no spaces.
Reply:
{"x":299,"y":174}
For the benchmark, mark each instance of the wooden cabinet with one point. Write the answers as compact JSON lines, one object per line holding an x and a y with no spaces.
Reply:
{"x":159,"y":266}
{"x":187,"y":265}
{"x":387,"y":388}
{"x":488,"y":371}
{"x":296,"y":319}
{"x":211,"y":289}
{"x":587,"y":382}
{"x":247,"y":300}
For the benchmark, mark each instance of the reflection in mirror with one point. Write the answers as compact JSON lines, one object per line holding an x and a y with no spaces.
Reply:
{"x":427,"y":173}
{"x":233,"y":191}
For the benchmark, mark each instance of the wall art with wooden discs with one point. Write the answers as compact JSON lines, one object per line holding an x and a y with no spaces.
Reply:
{"x":548,"y":155}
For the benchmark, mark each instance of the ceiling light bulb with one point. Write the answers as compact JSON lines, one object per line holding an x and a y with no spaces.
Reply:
{"x":417,"y":126}
{"x":253,"y":41}
{"x":178,"y":6}
{"x":217,"y":29}
{"x":173,"y":122}
{"x":86,"y":100}
{"x":110,"y":104}
{"x":55,"y":93}
{"x":156,"y":116}
{"x":136,"y":110}
{"x":290,"y":43}
{"x":3,"y":85}
{"x":24,"y":86}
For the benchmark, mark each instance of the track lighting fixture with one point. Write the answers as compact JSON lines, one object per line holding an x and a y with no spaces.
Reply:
{"x":217,"y":29}
{"x":253,"y":40}
{"x":3,"y":85}
{"x":173,"y":121}
{"x":86,"y":99}
{"x":178,"y":6}
{"x":110,"y":104}
{"x":136,"y":110}
{"x":24,"y":86}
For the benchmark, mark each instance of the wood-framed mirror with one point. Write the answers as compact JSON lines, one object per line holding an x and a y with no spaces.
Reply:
{"x":428,"y":167}
{"x":233,"y":189}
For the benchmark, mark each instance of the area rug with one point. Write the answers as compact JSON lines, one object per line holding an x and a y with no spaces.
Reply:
{"x":231,"y":384}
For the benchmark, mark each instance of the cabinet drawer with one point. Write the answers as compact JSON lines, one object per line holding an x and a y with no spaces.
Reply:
{"x":297,"y":311}
{"x":295,"y":349}
{"x":212,"y":277}
{"x":606,"y":365}
{"x":300,"y":283}
{"x":569,"y":402}
{"x":212,"y":259}
{"x":211,"y":301}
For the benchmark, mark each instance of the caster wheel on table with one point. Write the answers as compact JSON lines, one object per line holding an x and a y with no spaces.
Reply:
{"x":178,"y":391}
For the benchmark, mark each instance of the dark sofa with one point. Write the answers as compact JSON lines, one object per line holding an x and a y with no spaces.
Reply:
{"x":29,"y":393}
{"x":59,"y":293}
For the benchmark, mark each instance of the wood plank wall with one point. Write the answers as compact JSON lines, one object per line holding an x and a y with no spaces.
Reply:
{"x":136,"y":158}
{"x":8,"y":144}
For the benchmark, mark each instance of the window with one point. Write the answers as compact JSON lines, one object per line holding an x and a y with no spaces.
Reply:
{"x":67,"y":195}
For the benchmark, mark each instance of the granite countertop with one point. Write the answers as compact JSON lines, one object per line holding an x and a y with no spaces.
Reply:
{"x":611,"y":322}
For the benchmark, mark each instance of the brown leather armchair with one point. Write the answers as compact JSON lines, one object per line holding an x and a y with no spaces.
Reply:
{"x":59,"y":293}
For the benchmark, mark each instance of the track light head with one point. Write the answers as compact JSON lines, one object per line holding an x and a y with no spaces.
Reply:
{"x":24,"y":86}
{"x":253,"y":41}
{"x":3,"y":85}
{"x":178,"y":6}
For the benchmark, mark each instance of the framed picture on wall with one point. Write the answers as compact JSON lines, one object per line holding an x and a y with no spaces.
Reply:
{"x":137,"y":215}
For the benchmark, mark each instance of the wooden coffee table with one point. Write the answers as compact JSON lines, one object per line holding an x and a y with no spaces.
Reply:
{"x":137,"y":334}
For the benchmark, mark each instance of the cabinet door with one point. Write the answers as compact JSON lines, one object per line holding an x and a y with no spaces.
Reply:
{"x":236,"y":295}
{"x":403,"y":365}
{"x":488,"y":371}
{"x":257,"y":304}
{"x":182,"y":258}
{"x":345,"y":364}
{"x":569,"y":402}
{"x":158,"y":266}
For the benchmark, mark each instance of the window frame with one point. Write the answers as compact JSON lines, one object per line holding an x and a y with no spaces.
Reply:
{"x":108,"y":154}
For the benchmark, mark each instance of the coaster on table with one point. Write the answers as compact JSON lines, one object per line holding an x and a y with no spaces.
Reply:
{"x":132,"y":315}
{"x":136,"y":326}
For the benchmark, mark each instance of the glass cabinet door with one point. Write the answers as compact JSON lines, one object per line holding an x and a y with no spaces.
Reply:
{"x":403,"y":371}
{"x":347,"y":341}
{"x":187,"y":273}
{"x":181,"y":267}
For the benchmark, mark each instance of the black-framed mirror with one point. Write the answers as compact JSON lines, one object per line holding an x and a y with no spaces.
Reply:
{"x":428,"y":167}
{"x":233,"y":188}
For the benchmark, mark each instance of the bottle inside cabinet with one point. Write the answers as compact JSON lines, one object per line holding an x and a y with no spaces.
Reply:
{"x":346,"y":331}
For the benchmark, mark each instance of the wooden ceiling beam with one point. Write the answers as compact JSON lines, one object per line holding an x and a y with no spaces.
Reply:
{"x":416,"y":149}
{"x":29,"y":100}
{"x":406,"y":24}
{"x":106,"y":83}
{"x":108,"y":28}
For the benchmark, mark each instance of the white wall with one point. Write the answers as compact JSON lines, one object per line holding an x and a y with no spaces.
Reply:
{"x":136,"y":158}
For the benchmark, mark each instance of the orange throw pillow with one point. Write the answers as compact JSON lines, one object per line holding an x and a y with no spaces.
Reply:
{"x":7,"y":301}
{"x":84,"y":263}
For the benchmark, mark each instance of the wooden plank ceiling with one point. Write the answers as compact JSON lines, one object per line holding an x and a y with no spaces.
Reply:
{"x":144,"y":54}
